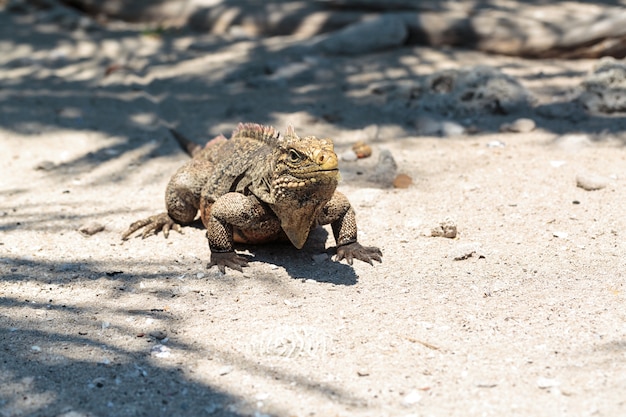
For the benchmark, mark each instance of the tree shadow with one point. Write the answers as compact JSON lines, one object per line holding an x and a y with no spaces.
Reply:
{"x":61,"y":358}
{"x":120,"y":100}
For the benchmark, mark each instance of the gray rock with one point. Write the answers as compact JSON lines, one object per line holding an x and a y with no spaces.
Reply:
{"x":385,"y":171}
{"x":603,"y":89}
{"x":475,"y":90}
{"x":447,"y":228}
{"x":91,"y":228}
{"x":377,"y":34}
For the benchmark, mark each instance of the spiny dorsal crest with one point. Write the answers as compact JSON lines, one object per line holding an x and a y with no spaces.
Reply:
{"x":266,"y":134}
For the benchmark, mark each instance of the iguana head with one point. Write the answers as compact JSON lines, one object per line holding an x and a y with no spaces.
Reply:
{"x":305,"y":176}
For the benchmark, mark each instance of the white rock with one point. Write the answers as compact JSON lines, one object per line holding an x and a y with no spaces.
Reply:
{"x":544,"y":383}
{"x":411,"y":398}
{"x":591,"y":182}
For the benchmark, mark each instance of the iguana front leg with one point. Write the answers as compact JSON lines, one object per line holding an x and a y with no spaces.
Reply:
{"x":339,"y":214}
{"x":236,"y":215}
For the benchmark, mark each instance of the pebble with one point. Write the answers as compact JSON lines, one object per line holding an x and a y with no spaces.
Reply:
{"x":495,"y":144}
{"x":446,"y":228}
{"x":160,"y":351}
{"x":464,"y":251}
{"x":411,"y":398}
{"x":427,"y":126}
{"x":319,"y":257}
{"x":91,"y":228}
{"x":349,"y":156}
{"x":591,"y":182}
{"x":363,"y":372}
{"x":362,"y":149}
{"x":45,"y":166}
{"x":449,"y":129}
{"x":402,"y":181}
{"x":544,"y":383}
{"x":522,"y":125}
{"x":158,"y":334}
{"x":560,"y":235}
{"x":573,"y":141}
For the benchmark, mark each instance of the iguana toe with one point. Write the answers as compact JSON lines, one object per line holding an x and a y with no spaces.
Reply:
{"x":355,"y":250}
{"x":227,"y":259}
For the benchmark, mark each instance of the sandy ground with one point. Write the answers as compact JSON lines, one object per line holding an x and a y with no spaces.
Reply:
{"x":532,"y":323}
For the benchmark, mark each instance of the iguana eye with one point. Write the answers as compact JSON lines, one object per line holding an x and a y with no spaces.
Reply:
{"x":294,"y":156}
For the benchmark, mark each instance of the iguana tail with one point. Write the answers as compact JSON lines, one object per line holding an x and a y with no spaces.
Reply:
{"x":192,"y":148}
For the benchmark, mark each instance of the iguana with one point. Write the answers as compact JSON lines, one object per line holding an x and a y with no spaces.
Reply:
{"x":256,"y":187}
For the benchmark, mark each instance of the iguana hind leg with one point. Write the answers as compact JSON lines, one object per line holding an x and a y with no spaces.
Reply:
{"x":182,"y":198}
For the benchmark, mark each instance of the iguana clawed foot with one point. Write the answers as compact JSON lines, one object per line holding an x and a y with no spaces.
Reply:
{"x":355,"y":250}
{"x":227,"y":259}
{"x":152,"y":225}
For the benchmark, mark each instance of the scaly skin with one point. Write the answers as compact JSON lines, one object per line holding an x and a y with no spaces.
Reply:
{"x":255,"y":188}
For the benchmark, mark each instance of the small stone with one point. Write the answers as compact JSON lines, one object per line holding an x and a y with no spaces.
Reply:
{"x":545,"y":383}
{"x":560,"y":235}
{"x":557,"y":164}
{"x":349,"y":156}
{"x":200,"y":275}
{"x":160,"y":351}
{"x":158,"y":334}
{"x":35,"y":349}
{"x":427,"y":126}
{"x":45,"y":166}
{"x":464,"y":251}
{"x":363,"y":372}
{"x":411,"y":398}
{"x":573,"y":141}
{"x":91,"y":229}
{"x":447,"y":228}
{"x":402,"y":181}
{"x":591,"y":182}
{"x":319,"y":257}
{"x":495,"y":144}
{"x":362,"y":150}
{"x":449,"y":129}
{"x":522,"y":125}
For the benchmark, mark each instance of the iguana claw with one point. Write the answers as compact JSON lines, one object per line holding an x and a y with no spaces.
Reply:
{"x":355,"y":250}
{"x":227,"y":259}
{"x":152,"y":225}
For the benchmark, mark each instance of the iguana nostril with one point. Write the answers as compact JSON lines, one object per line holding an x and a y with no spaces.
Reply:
{"x":327,"y":160}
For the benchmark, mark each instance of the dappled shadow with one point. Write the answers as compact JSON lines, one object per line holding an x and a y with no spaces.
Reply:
{"x":118,"y":98}
{"x":85,"y":356}
{"x":308,"y":262}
